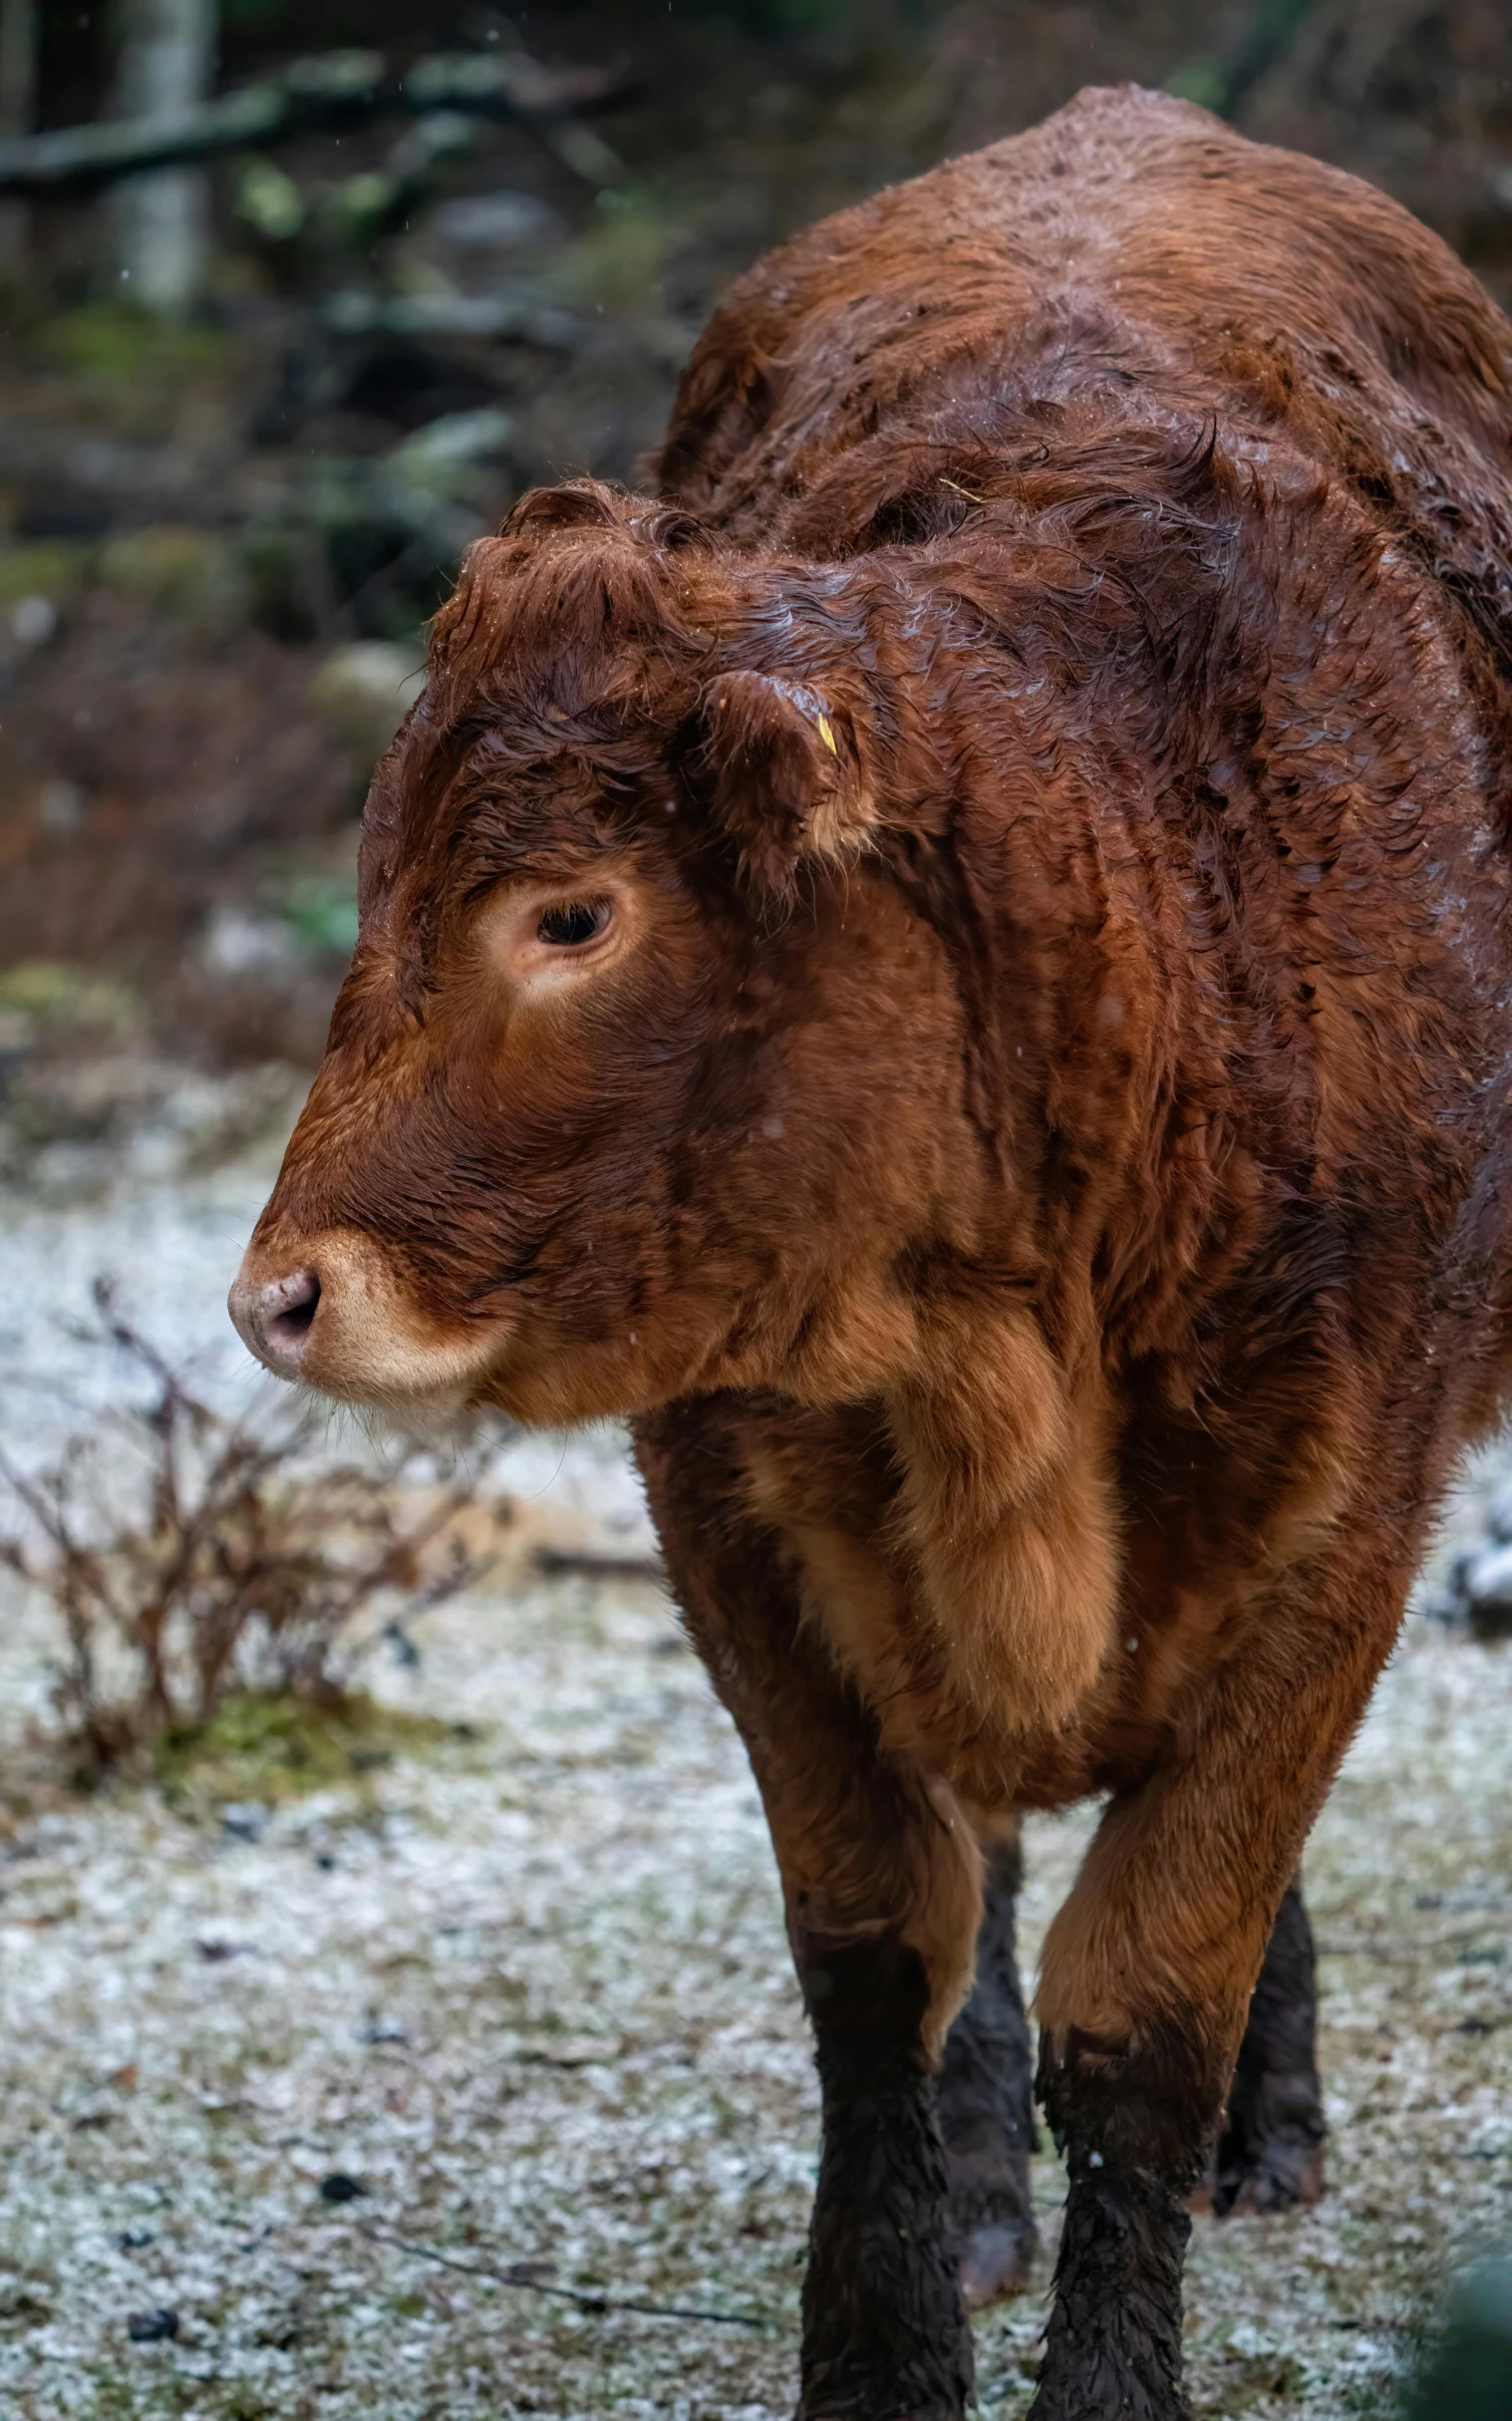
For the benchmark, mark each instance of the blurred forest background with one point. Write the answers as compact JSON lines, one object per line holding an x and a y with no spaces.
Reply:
{"x":387,"y":1918}
{"x":379,"y":270}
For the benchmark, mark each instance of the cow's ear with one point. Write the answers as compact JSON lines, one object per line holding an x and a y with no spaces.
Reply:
{"x":786,"y":771}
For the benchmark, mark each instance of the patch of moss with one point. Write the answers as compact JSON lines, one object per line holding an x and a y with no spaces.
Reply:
{"x":114,"y":2398}
{"x":55,"y":568}
{"x":267,"y":1746}
{"x":191,"y":573}
{"x":50,"y":993}
{"x":110,"y":344}
{"x":619,"y":259}
{"x":158,"y":2392}
{"x":239,"y":2400}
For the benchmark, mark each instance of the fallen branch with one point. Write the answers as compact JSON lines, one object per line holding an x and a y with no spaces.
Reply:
{"x":1409,"y":1947}
{"x":520,"y":2275}
{"x":353,"y":313}
{"x":491,"y":85}
{"x":119,"y":147}
{"x":343,"y":85}
{"x":598,"y":1565}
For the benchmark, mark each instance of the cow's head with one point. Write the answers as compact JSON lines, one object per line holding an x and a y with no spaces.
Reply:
{"x":614,"y":1102}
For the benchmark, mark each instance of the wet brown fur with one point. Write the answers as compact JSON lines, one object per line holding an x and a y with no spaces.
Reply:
{"x":1039,"y":1186}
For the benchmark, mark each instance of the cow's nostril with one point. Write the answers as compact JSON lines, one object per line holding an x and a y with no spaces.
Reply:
{"x":298,"y":1310}
{"x":274,"y":1317}
{"x":292,"y":1308}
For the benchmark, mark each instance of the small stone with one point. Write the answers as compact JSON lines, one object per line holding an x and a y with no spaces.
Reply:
{"x":376,"y":2027}
{"x":1488,"y":1593}
{"x":236,"y":944}
{"x":340,"y":2187}
{"x":153,"y":2327}
{"x":493,"y":221}
{"x":244,"y":1819}
{"x":33,"y":620}
{"x":401,"y":1647}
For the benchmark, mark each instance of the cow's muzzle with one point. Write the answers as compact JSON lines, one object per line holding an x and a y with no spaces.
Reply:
{"x":333,"y":1311}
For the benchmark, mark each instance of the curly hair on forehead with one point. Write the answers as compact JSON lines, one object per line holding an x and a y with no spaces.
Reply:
{"x":579,"y":601}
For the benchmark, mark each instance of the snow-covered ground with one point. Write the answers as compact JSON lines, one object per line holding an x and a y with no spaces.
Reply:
{"x":528,"y":1987}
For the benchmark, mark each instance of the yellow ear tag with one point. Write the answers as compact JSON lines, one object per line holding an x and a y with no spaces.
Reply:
{"x":828,"y":736}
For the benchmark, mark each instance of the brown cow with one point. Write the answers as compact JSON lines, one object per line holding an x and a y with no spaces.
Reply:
{"x":954,"y":966}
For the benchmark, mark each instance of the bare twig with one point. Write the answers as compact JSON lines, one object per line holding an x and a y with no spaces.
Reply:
{"x":229,"y":1548}
{"x":517,"y":2274}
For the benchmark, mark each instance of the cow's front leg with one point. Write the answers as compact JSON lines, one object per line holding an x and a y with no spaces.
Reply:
{"x":1149,"y":1971}
{"x":881,"y":1875}
{"x":987,"y":2097}
{"x":884,"y":2326}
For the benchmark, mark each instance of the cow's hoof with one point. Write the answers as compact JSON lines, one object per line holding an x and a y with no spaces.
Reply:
{"x":994,"y":2260}
{"x":851,"y":2412}
{"x":1280,"y":2176}
{"x":1102,"y":2396}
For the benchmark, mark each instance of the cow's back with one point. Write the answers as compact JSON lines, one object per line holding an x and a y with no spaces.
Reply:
{"x":1135,"y":245}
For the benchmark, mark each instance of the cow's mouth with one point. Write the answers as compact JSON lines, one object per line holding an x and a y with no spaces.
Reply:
{"x":330,"y":1311}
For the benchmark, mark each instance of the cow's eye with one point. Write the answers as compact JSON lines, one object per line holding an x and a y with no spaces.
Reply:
{"x":578,"y":921}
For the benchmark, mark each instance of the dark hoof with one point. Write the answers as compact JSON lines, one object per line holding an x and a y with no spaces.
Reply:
{"x":1269,"y":2156}
{"x":851,"y":2412}
{"x":1110,"y":2400}
{"x":1283,"y":2177}
{"x":996,"y":2259}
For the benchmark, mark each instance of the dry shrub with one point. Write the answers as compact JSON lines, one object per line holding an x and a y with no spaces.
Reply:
{"x":191,"y":1555}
